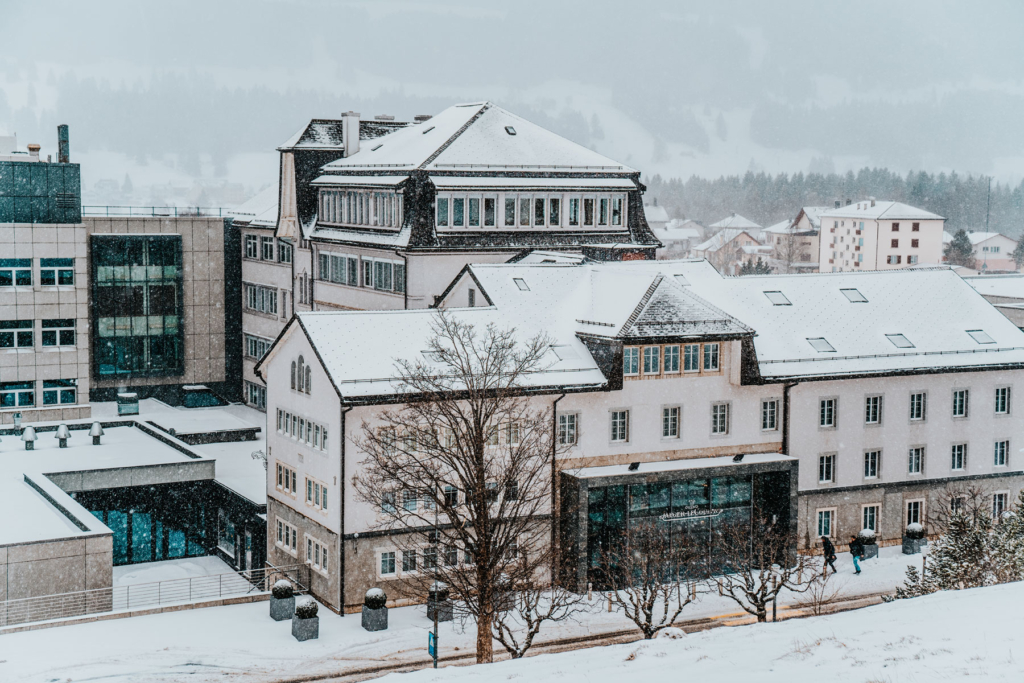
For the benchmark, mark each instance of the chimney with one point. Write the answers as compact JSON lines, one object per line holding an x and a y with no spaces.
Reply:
{"x":849,"y":201}
{"x":838,"y":203}
{"x":420,"y":118}
{"x":383,"y":117}
{"x":872,"y":200}
{"x":350,"y":132}
{"x":63,"y":144}
{"x":33,"y":151}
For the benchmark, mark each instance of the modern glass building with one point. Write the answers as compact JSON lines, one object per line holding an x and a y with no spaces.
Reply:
{"x":695,"y":508}
{"x":137,"y":310}
{"x":40,"y":192}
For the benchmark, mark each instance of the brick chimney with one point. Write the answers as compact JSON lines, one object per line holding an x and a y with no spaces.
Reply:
{"x":350,"y":132}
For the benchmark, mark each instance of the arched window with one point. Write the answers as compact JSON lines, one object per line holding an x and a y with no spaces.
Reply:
{"x":293,"y":374}
{"x":309,"y":378}
{"x":301,"y":371}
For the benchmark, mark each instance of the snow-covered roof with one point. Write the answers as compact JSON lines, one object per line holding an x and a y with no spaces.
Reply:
{"x":1009,"y":286}
{"x":260,"y":210}
{"x":979,"y":237}
{"x":677,"y":465}
{"x":880,"y":211}
{"x":481,"y":137}
{"x":328,"y":134}
{"x":361,"y":180}
{"x":722,"y":238}
{"x":355,"y":236}
{"x":946,"y":237}
{"x":813,"y":214}
{"x":655,"y":214}
{"x":735,"y":221}
{"x":520,"y":183}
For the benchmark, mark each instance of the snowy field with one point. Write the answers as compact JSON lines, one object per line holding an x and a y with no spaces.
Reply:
{"x":242,"y":642}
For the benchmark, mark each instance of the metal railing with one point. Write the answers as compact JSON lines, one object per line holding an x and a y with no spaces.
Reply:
{"x":154,"y":594}
{"x":159,"y":211}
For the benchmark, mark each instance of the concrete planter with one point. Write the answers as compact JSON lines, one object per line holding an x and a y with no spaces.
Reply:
{"x":305,"y":629}
{"x":375,"y":619}
{"x":912,"y":546}
{"x":443,"y":607}
{"x":870,"y":550}
{"x":282,"y":608}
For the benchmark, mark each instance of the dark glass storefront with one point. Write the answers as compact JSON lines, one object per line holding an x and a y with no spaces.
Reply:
{"x":699,"y":519}
{"x":137,"y":305}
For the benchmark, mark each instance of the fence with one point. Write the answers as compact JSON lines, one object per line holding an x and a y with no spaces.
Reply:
{"x":162,"y":211}
{"x":138,"y":596}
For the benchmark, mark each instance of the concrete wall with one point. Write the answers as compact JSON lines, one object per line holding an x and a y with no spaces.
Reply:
{"x":59,"y":566}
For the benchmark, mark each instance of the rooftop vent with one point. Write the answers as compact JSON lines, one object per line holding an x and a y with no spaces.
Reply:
{"x":778,"y":299}
{"x":821,"y":345}
{"x":872,"y":200}
{"x":33,"y":151}
{"x":420,"y":118}
{"x":510,"y":130}
{"x":899,"y":341}
{"x":854,"y":296}
{"x":981,"y":336}
{"x":521,"y":284}
{"x":838,"y":203}
{"x":428,"y":130}
{"x":374,"y":149}
{"x":633,"y":466}
{"x":383,"y":117}
{"x":849,"y":201}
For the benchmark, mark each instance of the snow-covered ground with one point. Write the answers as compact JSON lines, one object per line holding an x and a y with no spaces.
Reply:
{"x":170,"y":570}
{"x":207,"y":644}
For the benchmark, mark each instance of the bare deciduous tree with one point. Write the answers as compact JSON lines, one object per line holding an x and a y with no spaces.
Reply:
{"x":462,"y":470}
{"x":790,"y":250}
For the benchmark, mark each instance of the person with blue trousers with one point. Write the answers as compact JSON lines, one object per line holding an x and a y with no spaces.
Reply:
{"x":857,"y":550}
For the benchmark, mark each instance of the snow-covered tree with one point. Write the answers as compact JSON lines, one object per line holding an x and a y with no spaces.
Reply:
{"x":1008,"y":545}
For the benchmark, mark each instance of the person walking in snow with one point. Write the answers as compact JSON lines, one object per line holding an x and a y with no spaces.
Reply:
{"x":857,"y":550}
{"x":829,"y":552}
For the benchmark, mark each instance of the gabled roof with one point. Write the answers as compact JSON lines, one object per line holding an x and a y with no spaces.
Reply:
{"x":783,"y":227}
{"x":880,"y":211}
{"x":328,"y":134}
{"x":259,"y":211}
{"x":675,"y":310}
{"x":813,"y":214}
{"x":478,"y":137}
{"x":735,"y":221}
{"x":655,"y":213}
{"x":979,"y":237}
{"x":722,"y":238}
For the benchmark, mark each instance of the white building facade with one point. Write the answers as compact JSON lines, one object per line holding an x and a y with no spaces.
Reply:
{"x":878,"y":235}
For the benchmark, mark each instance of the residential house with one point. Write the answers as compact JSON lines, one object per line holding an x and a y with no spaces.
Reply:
{"x":729,"y":248}
{"x":878,"y":235}
{"x":993,"y":252}
{"x":679,"y":236}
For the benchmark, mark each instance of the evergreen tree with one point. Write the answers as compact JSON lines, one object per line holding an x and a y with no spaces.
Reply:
{"x":960,"y":252}
{"x":1018,"y":252}
{"x":759,"y":268}
{"x":961,"y":558}
{"x":1008,"y":545}
{"x":913,"y":587}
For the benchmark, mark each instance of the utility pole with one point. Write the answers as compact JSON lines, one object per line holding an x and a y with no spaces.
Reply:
{"x":988,"y":207}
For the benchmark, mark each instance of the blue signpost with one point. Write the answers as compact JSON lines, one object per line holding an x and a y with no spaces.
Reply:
{"x":432,"y":647}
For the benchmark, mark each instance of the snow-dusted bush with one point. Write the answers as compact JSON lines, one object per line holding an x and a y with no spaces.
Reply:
{"x":867,"y":536}
{"x":671,"y":633}
{"x":915,"y":530}
{"x":282,"y":589}
{"x":375,"y":598}
{"x":306,"y":608}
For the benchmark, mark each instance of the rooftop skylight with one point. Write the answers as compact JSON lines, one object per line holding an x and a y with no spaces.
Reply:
{"x":854,"y":296}
{"x":899,"y":341}
{"x":564,"y":352}
{"x":778,"y":299}
{"x":521,"y":284}
{"x":510,"y":130}
{"x":981,"y":336}
{"x":821,"y":345}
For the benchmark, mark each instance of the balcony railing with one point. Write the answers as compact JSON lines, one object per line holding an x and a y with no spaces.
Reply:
{"x":151,"y":211}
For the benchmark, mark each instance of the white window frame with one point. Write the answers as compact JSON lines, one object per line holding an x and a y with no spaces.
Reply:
{"x":318,"y":560}
{"x":873,"y":463}
{"x":831,"y":403}
{"x":618,"y":424}
{"x":634,"y":353}
{"x":289,"y":543}
{"x":652,"y":360}
{"x":827,"y":468}
{"x":696,"y":356}
{"x":1004,"y":400}
{"x":964,"y":407}
{"x":920,"y":456}
{"x":1001,"y":453}
{"x":873,"y":409}
{"x":671,"y":422}
{"x":876,"y":516}
{"x":920,"y":514}
{"x":820,"y":515}
{"x":1002,"y":498}
{"x":568,"y":429}
{"x":711,"y":351}
{"x":770,"y":414}
{"x":380,"y":563}
{"x":923,"y":406}
{"x":720,"y":427}
{"x":958,"y":451}
{"x":675,"y":351}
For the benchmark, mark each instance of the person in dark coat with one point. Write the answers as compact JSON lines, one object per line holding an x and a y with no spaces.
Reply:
{"x":829,"y":552}
{"x":857,"y":550}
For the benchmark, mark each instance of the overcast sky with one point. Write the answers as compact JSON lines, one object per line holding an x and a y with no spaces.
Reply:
{"x":182,"y":90}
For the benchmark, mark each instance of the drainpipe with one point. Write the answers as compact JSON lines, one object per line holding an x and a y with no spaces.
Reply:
{"x":405,"y":259}
{"x":554,"y":481}
{"x":785,"y":416}
{"x":341,"y":525}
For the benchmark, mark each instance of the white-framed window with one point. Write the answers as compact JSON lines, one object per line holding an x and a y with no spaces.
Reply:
{"x":574,"y":211}
{"x":410,"y":561}
{"x":671,"y":363}
{"x":914,"y":512}
{"x":59,"y":391}
{"x":826,"y":522}
{"x":410,"y":500}
{"x":828,"y":413}
{"x":316,"y":494}
{"x":389,"y":502}
{"x":711,"y":357}
{"x":871,"y":463}
{"x":261,"y":299}
{"x":316,"y":554}
{"x":284,"y":252}
{"x":256,"y":395}
{"x":958,"y":457}
{"x":619,"y":426}
{"x":720,"y":418}
{"x":1000,"y":453}
{"x":341,"y":269}
{"x":826,"y":468}
{"x":252,"y":247}
{"x":56,"y":271}
{"x":769,"y":414}
{"x":568,"y":428}
{"x":631,"y":360}
{"x":869,"y":517}
{"x":1002,"y":402}
{"x":873,"y":410}
{"x":960,"y":402}
{"x":17,"y":394}
{"x":691,"y":358}
{"x":287,"y":479}
{"x":58,"y":332}
{"x":918,"y":403}
{"x":999,"y":504}
{"x":915,"y":460}
{"x":15,"y":272}
{"x":387,"y":563}
{"x":17,"y":334}
{"x":652,"y":360}
{"x":287,"y":537}
{"x":267,"y":248}
{"x":670,"y":422}
{"x":257,"y":347}
{"x":371,"y":208}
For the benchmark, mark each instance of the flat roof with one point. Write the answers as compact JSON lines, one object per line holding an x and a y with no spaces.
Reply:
{"x":680,"y":465}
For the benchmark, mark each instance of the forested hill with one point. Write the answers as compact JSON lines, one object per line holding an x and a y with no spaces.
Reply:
{"x":768,"y":199}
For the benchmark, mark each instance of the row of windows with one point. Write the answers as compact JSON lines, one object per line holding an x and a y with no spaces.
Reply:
{"x":300,"y":428}
{"x":413,"y":560}
{"x":316,"y":494}
{"x":20,"y":334}
{"x":302,"y":376}
{"x":257,"y":347}
{"x":828,"y":414}
{"x":528,"y":211}
{"x":265,"y":248}
{"x":410,"y":500}
{"x":827,"y":462}
{"x":372,"y":208}
{"x":287,"y":479}
{"x":256,"y":395}
{"x":287,"y":537}
{"x":913,"y":513}
{"x":17,"y":272}
{"x":379,"y":274}
{"x":914,"y":227}
{"x":23,"y":394}
{"x":317,"y":554}
{"x":669,"y":358}
{"x":261,"y":299}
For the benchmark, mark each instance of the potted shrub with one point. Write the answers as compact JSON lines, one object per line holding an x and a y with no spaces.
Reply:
{"x":282,"y":600}
{"x":305,"y":622}
{"x":869,"y":540}
{"x":439,"y":599}
{"x":375,"y":610}
{"x":913,"y":539}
